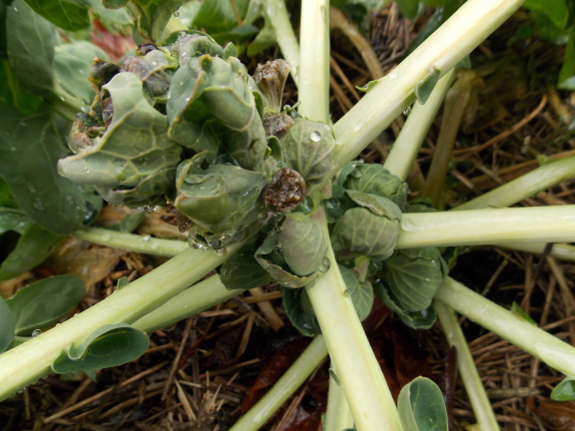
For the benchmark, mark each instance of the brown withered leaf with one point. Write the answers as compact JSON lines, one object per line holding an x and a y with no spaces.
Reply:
{"x":555,"y":415}
{"x":272,"y":370}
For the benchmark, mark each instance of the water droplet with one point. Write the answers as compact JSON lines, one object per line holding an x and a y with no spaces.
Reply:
{"x":347,"y":293}
{"x":176,"y":14}
{"x":407,"y":110}
{"x":38,"y":204}
{"x":146,"y":238}
{"x":315,"y":136}
{"x":63,"y":99}
{"x":81,"y":71}
{"x":393,"y":74}
{"x":15,"y":9}
{"x":31,"y":187}
{"x":181,"y":82}
{"x":187,"y":99}
{"x":36,"y":333}
{"x":154,"y":63}
{"x":356,"y":173}
{"x":325,"y":265}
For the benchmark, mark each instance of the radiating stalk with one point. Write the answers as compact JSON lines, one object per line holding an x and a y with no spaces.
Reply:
{"x":559,"y":251}
{"x":455,"y":39}
{"x":488,"y":226}
{"x":291,"y":380}
{"x":413,"y":133}
{"x":313,"y":87}
{"x":338,"y":416}
{"x":550,"y":349}
{"x":30,"y":361}
{"x":127,"y":241}
{"x":467,"y":370}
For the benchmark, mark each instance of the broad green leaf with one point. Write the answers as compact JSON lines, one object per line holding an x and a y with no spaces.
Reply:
{"x":421,"y":406}
{"x":12,"y":94}
{"x":29,"y":150}
{"x":13,"y":219}
{"x":556,"y":10}
{"x":72,"y":68}
{"x":6,"y":326}
{"x":264,"y":39}
{"x":236,"y":35}
{"x":423,"y":319}
{"x":424,"y":87}
{"x":118,"y":16}
{"x":242,"y":271}
{"x":32,"y":248}
{"x":566,"y":79}
{"x":409,"y":8}
{"x":376,"y":204}
{"x":153,"y":14}
{"x":413,"y":276}
{"x":300,"y":312}
{"x":66,"y":14}
{"x":361,"y":293}
{"x":564,"y":391}
{"x":7,"y":199}
{"x":108,"y":346}
{"x":30,"y":41}
{"x":309,"y":147}
{"x":133,"y":169}
{"x":217,"y":16}
{"x":41,"y":304}
{"x":115,"y":4}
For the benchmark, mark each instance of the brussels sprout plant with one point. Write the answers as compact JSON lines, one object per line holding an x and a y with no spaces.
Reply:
{"x":272,"y":194}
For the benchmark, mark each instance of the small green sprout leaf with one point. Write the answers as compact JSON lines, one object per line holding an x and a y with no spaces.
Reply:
{"x":520,"y":314}
{"x":421,"y":406}
{"x":122,"y":282}
{"x":367,"y":87}
{"x":41,"y":304}
{"x":361,"y":293}
{"x":564,"y":391}
{"x":220,"y":15}
{"x":300,"y":312}
{"x":424,"y":87}
{"x":109,"y":346}
{"x":7,"y":327}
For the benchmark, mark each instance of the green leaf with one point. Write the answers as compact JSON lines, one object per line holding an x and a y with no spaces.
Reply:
{"x":564,"y":391}
{"x":361,"y":293}
{"x":413,"y":276}
{"x":115,"y":4}
{"x":131,"y":222}
{"x":29,"y":150}
{"x":132,"y":169}
{"x":122,"y":282}
{"x":108,"y":346}
{"x":34,"y":245}
{"x":72,"y":68}
{"x":409,"y":8}
{"x":41,"y":304}
{"x":66,"y":14}
{"x":6,"y":326}
{"x":4,"y":4}
{"x":555,"y":10}
{"x":566,"y":79}
{"x":424,"y":87}
{"x":520,"y":314}
{"x":264,"y":39}
{"x":236,"y":35}
{"x":242,"y":271}
{"x":30,"y":42}
{"x":421,"y":406}
{"x":300,"y":312}
{"x":117,"y":16}
{"x":423,"y":319}
{"x":216,"y":16}
{"x":13,"y":220}
{"x":7,"y":199}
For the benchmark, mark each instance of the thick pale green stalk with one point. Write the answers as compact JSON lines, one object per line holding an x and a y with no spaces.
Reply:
{"x":356,"y":367}
{"x":551,"y":350}
{"x":30,"y":361}
{"x":190,"y":302}
{"x":276,"y":12}
{"x":338,"y":416}
{"x":560,"y":251}
{"x":488,"y":226}
{"x":127,"y":241}
{"x":525,"y":186}
{"x":467,"y":370}
{"x":455,"y":39}
{"x":284,"y":387}
{"x":414,"y":131}
{"x":313,"y":88}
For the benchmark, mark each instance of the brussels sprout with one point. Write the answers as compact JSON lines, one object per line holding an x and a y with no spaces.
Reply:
{"x":300,"y":312}
{"x":422,"y":319}
{"x":193,"y":43}
{"x":222,"y":199}
{"x":413,"y":276}
{"x":374,"y":179}
{"x":370,"y":230}
{"x":209,"y":88}
{"x":361,"y":293}
{"x":133,"y":156}
{"x":309,"y":147}
{"x":294,"y":255}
